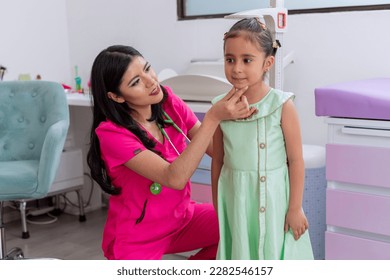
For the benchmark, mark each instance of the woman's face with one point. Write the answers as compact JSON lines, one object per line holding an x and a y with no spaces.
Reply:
{"x":139,"y":87}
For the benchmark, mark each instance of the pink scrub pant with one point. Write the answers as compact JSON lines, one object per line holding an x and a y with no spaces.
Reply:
{"x":200,"y":233}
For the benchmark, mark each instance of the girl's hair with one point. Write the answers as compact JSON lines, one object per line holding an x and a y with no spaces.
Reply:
{"x":256,"y":32}
{"x":106,"y":76}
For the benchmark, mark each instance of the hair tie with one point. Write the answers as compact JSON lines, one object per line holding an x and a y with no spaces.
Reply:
{"x":276,"y":44}
{"x":262,"y":25}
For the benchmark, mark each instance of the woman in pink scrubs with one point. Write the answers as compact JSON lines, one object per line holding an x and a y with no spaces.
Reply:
{"x":145,"y":163}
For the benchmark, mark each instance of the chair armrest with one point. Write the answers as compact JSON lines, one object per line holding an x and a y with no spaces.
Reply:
{"x":50,"y":156}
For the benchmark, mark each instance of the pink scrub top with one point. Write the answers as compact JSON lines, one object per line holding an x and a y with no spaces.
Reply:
{"x":164,"y":213}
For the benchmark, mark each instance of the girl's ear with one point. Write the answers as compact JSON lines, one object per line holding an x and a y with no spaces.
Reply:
{"x":269,"y":61}
{"x":114,"y":97}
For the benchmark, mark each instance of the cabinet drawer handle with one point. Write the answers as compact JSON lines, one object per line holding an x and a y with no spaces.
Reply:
{"x":365,"y":131}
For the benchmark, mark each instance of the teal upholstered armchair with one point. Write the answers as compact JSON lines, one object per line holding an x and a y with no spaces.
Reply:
{"x":34,"y":120}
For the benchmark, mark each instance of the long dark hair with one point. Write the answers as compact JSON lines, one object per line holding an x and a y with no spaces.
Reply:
{"x":106,"y":76}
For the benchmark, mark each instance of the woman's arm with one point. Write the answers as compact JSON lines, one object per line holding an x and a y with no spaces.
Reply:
{"x":295,"y":218}
{"x":176,"y":174}
{"x":216,"y":164}
{"x":193,"y":132}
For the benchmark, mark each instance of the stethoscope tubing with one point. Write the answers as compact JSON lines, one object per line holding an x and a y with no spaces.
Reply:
{"x":168,"y":120}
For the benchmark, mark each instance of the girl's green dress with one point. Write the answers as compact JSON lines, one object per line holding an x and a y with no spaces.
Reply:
{"x":253,"y":188}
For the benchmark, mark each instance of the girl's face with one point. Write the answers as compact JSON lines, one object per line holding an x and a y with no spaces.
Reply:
{"x":245,"y":63}
{"x":139,"y":87}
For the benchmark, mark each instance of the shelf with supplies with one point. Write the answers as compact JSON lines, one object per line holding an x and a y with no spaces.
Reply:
{"x":79,"y":99}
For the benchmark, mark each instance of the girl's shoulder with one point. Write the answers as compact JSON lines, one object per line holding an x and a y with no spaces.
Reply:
{"x":273,"y":101}
{"x":280,"y":96}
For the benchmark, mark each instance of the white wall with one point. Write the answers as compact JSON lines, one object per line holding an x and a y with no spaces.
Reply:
{"x":34,"y":39}
{"x":50,"y":37}
{"x":329,"y":48}
{"x":332,"y":48}
{"x":154,"y":31}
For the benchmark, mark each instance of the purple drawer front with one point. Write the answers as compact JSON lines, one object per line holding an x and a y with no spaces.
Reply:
{"x":359,"y":211}
{"x":344,"y":247}
{"x":201,"y":193}
{"x":358,"y":164}
{"x":200,"y":115}
{"x":364,"y":99}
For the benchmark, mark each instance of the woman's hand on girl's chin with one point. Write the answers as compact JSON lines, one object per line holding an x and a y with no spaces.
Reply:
{"x":233,"y":106}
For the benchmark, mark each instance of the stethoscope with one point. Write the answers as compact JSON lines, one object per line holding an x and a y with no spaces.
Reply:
{"x":156,"y":188}
{"x":169,"y":121}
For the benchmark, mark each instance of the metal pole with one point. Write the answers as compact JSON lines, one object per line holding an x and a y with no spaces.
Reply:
{"x":3,"y":250}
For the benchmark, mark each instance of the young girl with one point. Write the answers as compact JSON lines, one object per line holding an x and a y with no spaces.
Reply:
{"x":139,"y":155}
{"x":257,"y":165}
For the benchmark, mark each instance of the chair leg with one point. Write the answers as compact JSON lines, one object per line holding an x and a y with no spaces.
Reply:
{"x":57,"y":209}
{"x":22,"y":209}
{"x":82,"y":217}
{"x":3,"y":250}
{"x":15,"y":253}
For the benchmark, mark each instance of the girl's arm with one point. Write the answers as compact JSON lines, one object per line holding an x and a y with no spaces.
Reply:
{"x":176,"y":174}
{"x":295,"y":218}
{"x":216,"y":164}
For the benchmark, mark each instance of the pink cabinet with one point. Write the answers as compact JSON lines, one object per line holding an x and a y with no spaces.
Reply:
{"x":358,"y":189}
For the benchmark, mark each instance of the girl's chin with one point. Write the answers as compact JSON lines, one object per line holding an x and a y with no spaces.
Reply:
{"x":240,"y":86}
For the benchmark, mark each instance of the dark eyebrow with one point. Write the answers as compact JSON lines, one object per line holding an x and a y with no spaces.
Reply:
{"x":147,"y":64}
{"x":131,"y":81}
{"x":244,"y":55}
{"x":248,"y":55}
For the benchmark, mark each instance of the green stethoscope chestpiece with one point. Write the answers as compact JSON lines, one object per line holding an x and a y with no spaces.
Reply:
{"x":155,"y":188}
